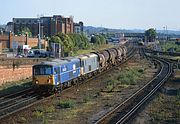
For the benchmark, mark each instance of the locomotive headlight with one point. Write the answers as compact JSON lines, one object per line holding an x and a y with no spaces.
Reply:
{"x":36,"y":82}
{"x":49,"y":81}
{"x":50,"y":77}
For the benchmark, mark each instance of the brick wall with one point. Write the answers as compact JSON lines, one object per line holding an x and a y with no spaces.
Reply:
{"x":8,"y":75}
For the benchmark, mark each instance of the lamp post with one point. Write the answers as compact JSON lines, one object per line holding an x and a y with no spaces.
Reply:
{"x":39,"y":35}
{"x":13,"y":36}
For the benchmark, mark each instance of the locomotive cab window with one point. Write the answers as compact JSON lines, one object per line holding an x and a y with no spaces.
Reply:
{"x":55,"y":70}
{"x":42,"y":70}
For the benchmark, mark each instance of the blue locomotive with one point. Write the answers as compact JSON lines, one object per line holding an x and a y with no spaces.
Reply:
{"x":56,"y":72}
{"x":64,"y":72}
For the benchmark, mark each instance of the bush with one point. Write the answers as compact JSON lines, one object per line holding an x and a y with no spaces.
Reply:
{"x":86,"y":99}
{"x":112,"y":83}
{"x":38,"y":114}
{"x":130,"y":76}
{"x":168,"y":45}
{"x":50,"y":109}
{"x":66,"y":103}
{"x":110,"y":87}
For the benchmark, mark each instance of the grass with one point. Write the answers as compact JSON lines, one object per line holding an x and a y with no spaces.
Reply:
{"x":22,"y":120}
{"x":130,"y":76}
{"x":165,"y":109}
{"x":86,"y":99}
{"x":50,"y":109}
{"x":112,"y":83}
{"x":123,"y":79}
{"x":66,"y":103}
{"x":39,"y":112}
{"x":170,"y":44}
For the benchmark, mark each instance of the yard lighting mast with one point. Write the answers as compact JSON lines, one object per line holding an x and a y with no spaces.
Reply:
{"x":39,"y":35}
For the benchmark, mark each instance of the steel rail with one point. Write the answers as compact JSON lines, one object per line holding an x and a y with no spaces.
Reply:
{"x":14,"y":94}
{"x":15,"y":100}
{"x":126,"y":102}
{"x":135,"y":108}
{"x":24,"y":104}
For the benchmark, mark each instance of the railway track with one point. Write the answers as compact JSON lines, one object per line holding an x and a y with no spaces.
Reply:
{"x":13,"y":103}
{"x":3,"y":96}
{"x":123,"y":112}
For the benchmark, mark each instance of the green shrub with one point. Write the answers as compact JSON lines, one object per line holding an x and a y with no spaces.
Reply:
{"x":111,"y":84}
{"x":170,"y":44}
{"x":50,"y":109}
{"x":86,"y":99}
{"x":110,"y":87}
{"x":66,"y":103}
{"x":38,"y":114}
{"x":130,"y":76}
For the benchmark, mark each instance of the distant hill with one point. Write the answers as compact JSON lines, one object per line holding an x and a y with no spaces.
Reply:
{"x":91,"y":30}
{"x":2,"y":26}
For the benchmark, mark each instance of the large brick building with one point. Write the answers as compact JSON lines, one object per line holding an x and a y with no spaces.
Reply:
{"x":61,"y":24}
{"x":49,"y":26}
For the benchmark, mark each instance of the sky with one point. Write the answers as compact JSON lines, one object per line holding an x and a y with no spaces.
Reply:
{"x":119,"y":14}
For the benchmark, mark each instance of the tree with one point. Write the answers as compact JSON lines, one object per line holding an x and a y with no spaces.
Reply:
{"x":71,"y":42}
{"x":80,"y":41}
{"x":102,"y":39}
{"x":150,"y":34}
{"x":98,"y":40}
{"x":24,"y":31}
{"x":85,"y":42}
{"x":66,"y":43}
{"x":55,"y":39}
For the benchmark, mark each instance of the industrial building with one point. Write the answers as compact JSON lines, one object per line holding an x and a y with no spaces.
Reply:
{"x":47,"y":26}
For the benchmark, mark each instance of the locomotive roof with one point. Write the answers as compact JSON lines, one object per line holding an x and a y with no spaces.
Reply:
{"x":56,"y":62}
{"x":84,"y":56}
{"x":47,"y":63}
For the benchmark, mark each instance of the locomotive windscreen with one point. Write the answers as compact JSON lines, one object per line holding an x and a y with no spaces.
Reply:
{"x":42,"y":70}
